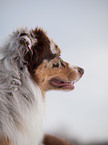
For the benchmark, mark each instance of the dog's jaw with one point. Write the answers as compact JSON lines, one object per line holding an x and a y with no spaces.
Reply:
{"x":61,"y":84}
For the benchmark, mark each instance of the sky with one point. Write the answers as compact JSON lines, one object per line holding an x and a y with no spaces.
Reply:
{"x":80,"y":28}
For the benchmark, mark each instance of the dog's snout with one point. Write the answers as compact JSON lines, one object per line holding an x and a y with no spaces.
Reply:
{"x":81,"y":70}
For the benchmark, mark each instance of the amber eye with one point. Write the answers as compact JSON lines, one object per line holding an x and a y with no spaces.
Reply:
{"x":55,"y":65}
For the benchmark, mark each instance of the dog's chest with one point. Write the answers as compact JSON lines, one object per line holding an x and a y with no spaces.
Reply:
{"x":31,"y":134}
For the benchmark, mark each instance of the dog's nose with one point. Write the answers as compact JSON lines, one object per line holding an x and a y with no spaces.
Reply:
{"x":81,"y":70}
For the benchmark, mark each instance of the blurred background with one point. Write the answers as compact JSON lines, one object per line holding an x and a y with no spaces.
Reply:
{"x":80,"y":28}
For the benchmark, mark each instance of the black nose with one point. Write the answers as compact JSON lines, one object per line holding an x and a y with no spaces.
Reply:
{"x":81,"y":70}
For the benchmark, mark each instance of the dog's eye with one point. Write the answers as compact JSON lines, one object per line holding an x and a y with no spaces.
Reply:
{"x":55,"y":65}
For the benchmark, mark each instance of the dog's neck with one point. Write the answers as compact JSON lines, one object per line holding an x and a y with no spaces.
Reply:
{"x":27,"y":105}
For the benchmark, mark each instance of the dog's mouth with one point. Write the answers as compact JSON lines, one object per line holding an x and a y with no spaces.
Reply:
{"x":62,"y":84}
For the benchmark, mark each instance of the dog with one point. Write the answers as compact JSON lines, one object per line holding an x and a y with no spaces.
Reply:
{"x":30,"y":65}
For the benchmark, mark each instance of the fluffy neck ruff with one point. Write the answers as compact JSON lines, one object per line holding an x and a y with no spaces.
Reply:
{"x":21,"y":100}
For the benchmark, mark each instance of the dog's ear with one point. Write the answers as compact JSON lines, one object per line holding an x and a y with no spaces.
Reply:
{"x":29,"y":44}
{"x":27,"y":41}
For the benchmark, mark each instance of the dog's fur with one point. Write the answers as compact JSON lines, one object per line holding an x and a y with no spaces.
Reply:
{"x":30,"y":65}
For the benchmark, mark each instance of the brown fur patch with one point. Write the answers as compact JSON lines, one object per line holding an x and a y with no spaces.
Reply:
{"x":39,"y":52}
{"x":46,"y":72}
{"x":52,"y":140}
{"x":5,"y":141}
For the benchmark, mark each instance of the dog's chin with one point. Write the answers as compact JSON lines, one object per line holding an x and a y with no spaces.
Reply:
{"x":62,"y":85}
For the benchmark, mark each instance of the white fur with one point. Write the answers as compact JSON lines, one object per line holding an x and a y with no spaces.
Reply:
{"x":29,"y":41}
{"x":54,"y":50}
{"x":75,"y":68}
{"x":32,"y":119}
{"x":30,"y":132}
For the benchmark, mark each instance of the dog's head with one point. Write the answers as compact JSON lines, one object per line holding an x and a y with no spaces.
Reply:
{"x":45,"y":65}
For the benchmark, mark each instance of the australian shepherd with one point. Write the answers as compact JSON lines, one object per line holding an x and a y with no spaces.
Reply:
{"x":30,"y":65}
